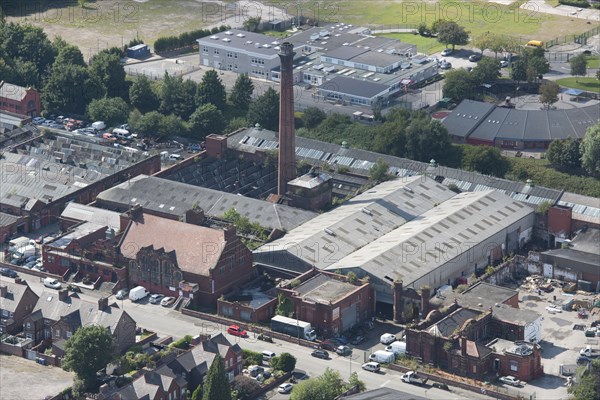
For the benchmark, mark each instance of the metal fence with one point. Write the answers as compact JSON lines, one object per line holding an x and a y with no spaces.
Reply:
{"x":577,"y":38}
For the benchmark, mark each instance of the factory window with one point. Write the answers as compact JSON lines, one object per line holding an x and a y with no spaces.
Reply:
{"x":258,"y":61}
{"x":205,"y":50}
{"x":216,"y":51}
{"x":514,"y":366}
{"x":235,"y":67}
{"x":229,"y":54}
{"x":229,"y":67}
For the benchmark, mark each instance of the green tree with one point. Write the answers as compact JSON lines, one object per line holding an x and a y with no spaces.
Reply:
{"x":211,"y":90}
{"x":590,"y":150}
{"x":265,"y":110}
{"x":197,"y":394}
{"x":458,"y":85}
{"x":241,"y":93}
{"x":486,"y":71}
{"x":449,"y":32}
{"x":147,"y":124}
{"x":66,"y":54}
{"x":578,"y":65}
{"x":245,"y":386}
{"x":87,"y":351}
{"x":251,"y":24}
{"x":588,"y":387}
{"x":390,"y":138}
{"x":236,"y":123}
{"x":571,"y":155}
{"x":252,"y":357}
{"x":284,"y":362}
{"x":484,"y":159}
{"x":378,"y":172}
{"x":177,"y":96}
{"x":493,"y":42}
{"x":549,"y":93}
{"x":427,"y":139}
{"x":325,"y":387}
{"x":205,"y":120}
{"x":142,"y":96}
{"x":216,"y":385}
{"x":107,"y":67}
{"x":112,"y":110}
{"x":312,"y":117}
{"x":518,"y":71}
{"x":284,"y":306}
{"x":81,"y":3}
{"x":70,"y":89}
{"x":555,"y":152}
{"x":172,"y":125}
{"x":354,"y":381}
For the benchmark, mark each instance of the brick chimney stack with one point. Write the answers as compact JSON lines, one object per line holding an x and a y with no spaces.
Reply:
{"x":3,"y":290}
{"x":102,"y":303}
{"x":287,"y":135}
{"x":463,"y":345}
{"x":63,"y":294}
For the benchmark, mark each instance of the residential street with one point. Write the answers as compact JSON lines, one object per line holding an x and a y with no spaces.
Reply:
{"x":168,"y":322}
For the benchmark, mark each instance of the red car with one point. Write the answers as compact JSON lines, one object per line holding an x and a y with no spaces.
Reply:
{"x":236,"y":331}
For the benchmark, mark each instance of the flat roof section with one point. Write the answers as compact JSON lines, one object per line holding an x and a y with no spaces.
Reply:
{"x":353,"y":87}
{"x":466,"y":116}
{"x":324,"y":289}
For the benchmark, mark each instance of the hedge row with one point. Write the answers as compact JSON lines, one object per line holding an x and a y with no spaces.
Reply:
{"x":185,"y":39}
{"x":575,"y":3}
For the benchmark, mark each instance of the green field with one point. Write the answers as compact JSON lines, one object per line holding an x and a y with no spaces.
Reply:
{"x":424,"y":44}
{"x":581,"y":83}
{"x":477,"y":16}
{"x":593,"y":62}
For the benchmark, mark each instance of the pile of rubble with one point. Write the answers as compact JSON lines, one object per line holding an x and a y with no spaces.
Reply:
{"x":537,"y":283}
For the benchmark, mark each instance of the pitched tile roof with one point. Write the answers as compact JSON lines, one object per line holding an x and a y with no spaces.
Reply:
{"x":197,"y":248}
{"x":14,"y":294}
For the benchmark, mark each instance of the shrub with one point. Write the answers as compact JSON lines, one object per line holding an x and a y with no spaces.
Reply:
{"x":252,"y":357}
{"x":575,"y":3}
{"x":183,"y":343}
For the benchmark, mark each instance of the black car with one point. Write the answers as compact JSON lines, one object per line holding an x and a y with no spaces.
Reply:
{"x":8,"y":272}
{"x":581,"y":360}
{"x":320,"y":354}
{"x":595,"y":323}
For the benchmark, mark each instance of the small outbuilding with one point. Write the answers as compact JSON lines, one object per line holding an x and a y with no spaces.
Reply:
{"x":138,"y":51}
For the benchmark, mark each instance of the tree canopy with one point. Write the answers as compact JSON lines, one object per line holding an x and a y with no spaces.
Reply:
{"x":216,"y":386}
{"x":484,"y":159}
{"x":458,"y":84}
{"x":107,"y":67}
{"x":590,"y":150}
{"x":112,"y":110}
{"x":449,"y":32}
{"x":325,"y":387}
{"x":578,"y":65}
{"x":177,"y":96}
{"x":549,"y":93}
{"x":70,"y":89}
{"x":142,"y":96}
{"x":265,"y":110}
{"x":241,"y":93}
{"x":378,"y":172}
{"x":211,"y":90}
{"x":486,"y":71}
{"x":312,"y":117}
{"x":205,"y":120}
{"x":87,"y":351}
{"x":284,"y":362}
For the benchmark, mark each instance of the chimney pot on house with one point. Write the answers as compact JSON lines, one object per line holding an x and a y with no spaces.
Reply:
{"x":63,"y":294}
{"x":102,"y":303}
{"x":463,"y":345}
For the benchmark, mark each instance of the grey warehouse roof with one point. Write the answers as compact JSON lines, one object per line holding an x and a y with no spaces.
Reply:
{"x":331,"y":236}
{"x":96,"y":215}
{"x":466,"y":117}
{"x":354,"y":87}
{"x":442,"y":235}
{"x":243,"y":40}
{"x":175,"y":198}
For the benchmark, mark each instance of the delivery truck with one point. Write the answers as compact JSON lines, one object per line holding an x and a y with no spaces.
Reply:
{"x":293,"y":327}
{"x":138,"y":293}
{"x":397,"y":347}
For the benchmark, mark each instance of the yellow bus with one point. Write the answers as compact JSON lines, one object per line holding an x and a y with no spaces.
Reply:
{"x":535,"y":43}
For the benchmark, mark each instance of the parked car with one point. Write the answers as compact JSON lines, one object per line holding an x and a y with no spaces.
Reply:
{"x":329,"y":345}
{"x":553,"y":309}
{"x":371,"y":366}
{"x":590,"y":332}
{"x":446,"y":52}
{"x":510,"y":380}
{"x":320,"y":354}
{"x":358,"y":340}
{"x":445,"y":65}
{"x":343,"y":350}
{"x":387,"y":338}
{"x":156,"y":298}
{"x":38,"y":120}
{"x":40,"y":239}
{"x":581,"y":360}
{"x":167,"y":301}
{"x":474,"y":57}
{"x":285,"y":388}
{"x":236,"y":331}
{"x":8,"y":272}
{"x":595,"y":323}
{"x":121,"y":294}
{"x":503,"y":64}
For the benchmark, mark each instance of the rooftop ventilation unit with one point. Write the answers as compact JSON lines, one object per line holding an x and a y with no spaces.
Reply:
{"x":214,"y":37}
{"x":329,"y":232}
{"x":346,"y":44}
{"x":240,"y":35}
{"x":257,"y":45}
{"x":266,"y":46}
{"x":409,"y":190}
{"x":226,"y":40}
{"x":366,"y":211}
{"x":275,"y":42}
{"x":248,"y":41}
{"x":229,"y":33}
{"x":314,"y":36}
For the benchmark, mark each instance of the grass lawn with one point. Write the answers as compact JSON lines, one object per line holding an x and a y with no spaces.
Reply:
{"x":593,"y":62}
{"x":553,"y":3}
{"x":424,"y":44}
{"x":581,"y":83}
{"x":477,"y":16}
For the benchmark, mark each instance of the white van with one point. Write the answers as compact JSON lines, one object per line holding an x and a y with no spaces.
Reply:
{"x":383,"y":357}
{"x":138,"y":293}
{"x":99,"y":125}
{"x":267,"y":355}
{"x":121,"y":133}
{"x":164,"y":155}
{"x":175,"y":157}
{"x":397,"y":347}
{"x":51,"y":283}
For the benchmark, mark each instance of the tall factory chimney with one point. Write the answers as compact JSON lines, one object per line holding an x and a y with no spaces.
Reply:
{"x":287,"y":135}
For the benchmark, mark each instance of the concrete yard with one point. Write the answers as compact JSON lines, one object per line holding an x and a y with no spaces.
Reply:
{"x":22,"y":379}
